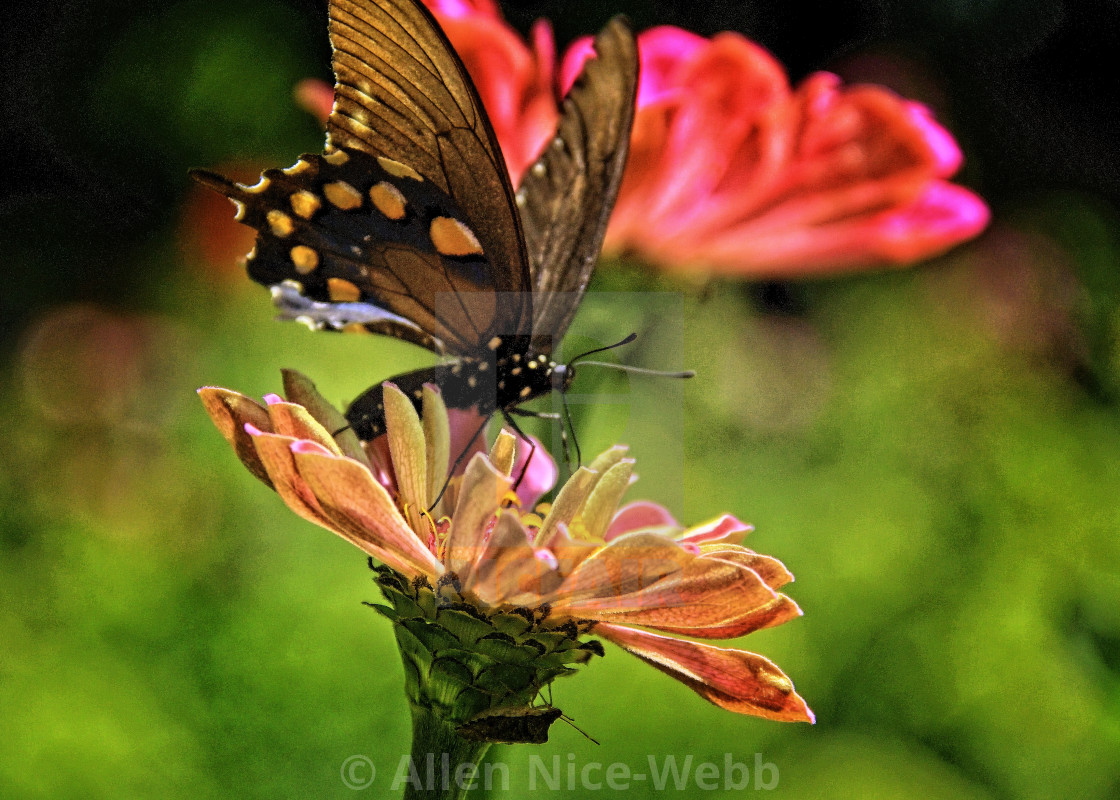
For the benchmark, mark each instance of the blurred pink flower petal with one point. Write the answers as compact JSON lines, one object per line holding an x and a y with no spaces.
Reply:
{"x":731,"y":170}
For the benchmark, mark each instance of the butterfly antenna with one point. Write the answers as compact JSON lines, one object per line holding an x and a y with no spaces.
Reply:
{"x":459,"y":461}
{"x":657,"y":373}
{"x":627,"y":340}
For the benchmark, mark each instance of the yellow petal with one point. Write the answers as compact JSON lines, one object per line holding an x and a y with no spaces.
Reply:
{"x":603,"y":502}
{"x":407,"y":448}
{"x":609,"y":458}
{"x":437,"y":440}
{"x":568,"y":502}
{"x":504,"y":452}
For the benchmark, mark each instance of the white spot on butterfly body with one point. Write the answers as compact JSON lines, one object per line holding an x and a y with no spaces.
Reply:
{"x":538,"y":169}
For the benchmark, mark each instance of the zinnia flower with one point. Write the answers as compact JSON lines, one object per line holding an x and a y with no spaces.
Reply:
{"x":490,"y":596}
{"x":731,"y":169}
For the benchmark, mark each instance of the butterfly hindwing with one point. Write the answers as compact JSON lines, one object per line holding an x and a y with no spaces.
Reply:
{"x":345,"y":230}
{"x":567,"y":196}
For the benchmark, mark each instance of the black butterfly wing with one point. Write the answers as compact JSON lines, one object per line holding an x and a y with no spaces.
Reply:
{"x":402,"y":93}
{"x":566,"y":198}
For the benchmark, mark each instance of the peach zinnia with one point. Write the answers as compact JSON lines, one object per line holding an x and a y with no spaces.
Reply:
{"x":489,"y":596}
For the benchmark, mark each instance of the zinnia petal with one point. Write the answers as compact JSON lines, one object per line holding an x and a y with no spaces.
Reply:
{"x":230,"y":413}
{"x":733,"y":679}
{"x":357,"y":508}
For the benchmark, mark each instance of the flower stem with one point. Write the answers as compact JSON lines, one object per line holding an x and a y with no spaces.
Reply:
{"x":443,"y":762}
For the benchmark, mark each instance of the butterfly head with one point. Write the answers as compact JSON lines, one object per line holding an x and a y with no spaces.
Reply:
{"x":562,"y":377}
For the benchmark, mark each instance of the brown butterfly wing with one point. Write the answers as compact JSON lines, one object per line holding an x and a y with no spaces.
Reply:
{"x":566,"y":198}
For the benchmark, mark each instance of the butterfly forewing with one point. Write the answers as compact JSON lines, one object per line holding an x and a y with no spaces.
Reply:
{"x":566,"y":198}
{"x":402,"y":93}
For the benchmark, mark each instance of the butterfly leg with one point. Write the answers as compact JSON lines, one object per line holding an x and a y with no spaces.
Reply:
{"x":459,"y":461}
{"x":508,"y":416}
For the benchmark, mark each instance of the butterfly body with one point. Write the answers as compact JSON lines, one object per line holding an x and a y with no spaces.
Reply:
{"x":511,"y":376}
{"x":408,"y":225}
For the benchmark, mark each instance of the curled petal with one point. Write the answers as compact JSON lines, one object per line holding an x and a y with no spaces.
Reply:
{"x":231,"y":412}
{"x":735,"y":622}
{"x":721,"y":528}
{"x":642,"y":515}
{"x":299,"y":389}
{"x":624,"y":567}
{"x":289,"y":419}
{"x":772,"y":571}
{"x":275,"y":453}
{"x":732,"y":679}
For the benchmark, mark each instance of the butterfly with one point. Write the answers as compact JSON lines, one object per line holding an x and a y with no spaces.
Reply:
{"x":408,"y":224}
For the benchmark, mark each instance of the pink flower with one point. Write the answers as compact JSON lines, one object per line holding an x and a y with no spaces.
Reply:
{"x":732,"y":170}
{"x":577,"y":565}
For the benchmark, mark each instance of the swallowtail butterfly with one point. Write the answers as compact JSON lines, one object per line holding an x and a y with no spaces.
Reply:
{"x":408,"y":225}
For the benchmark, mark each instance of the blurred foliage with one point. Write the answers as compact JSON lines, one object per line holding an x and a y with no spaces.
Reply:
{"x":935,"y":453}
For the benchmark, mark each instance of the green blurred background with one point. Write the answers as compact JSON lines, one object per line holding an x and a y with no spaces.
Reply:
{"x":935,"y":453}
